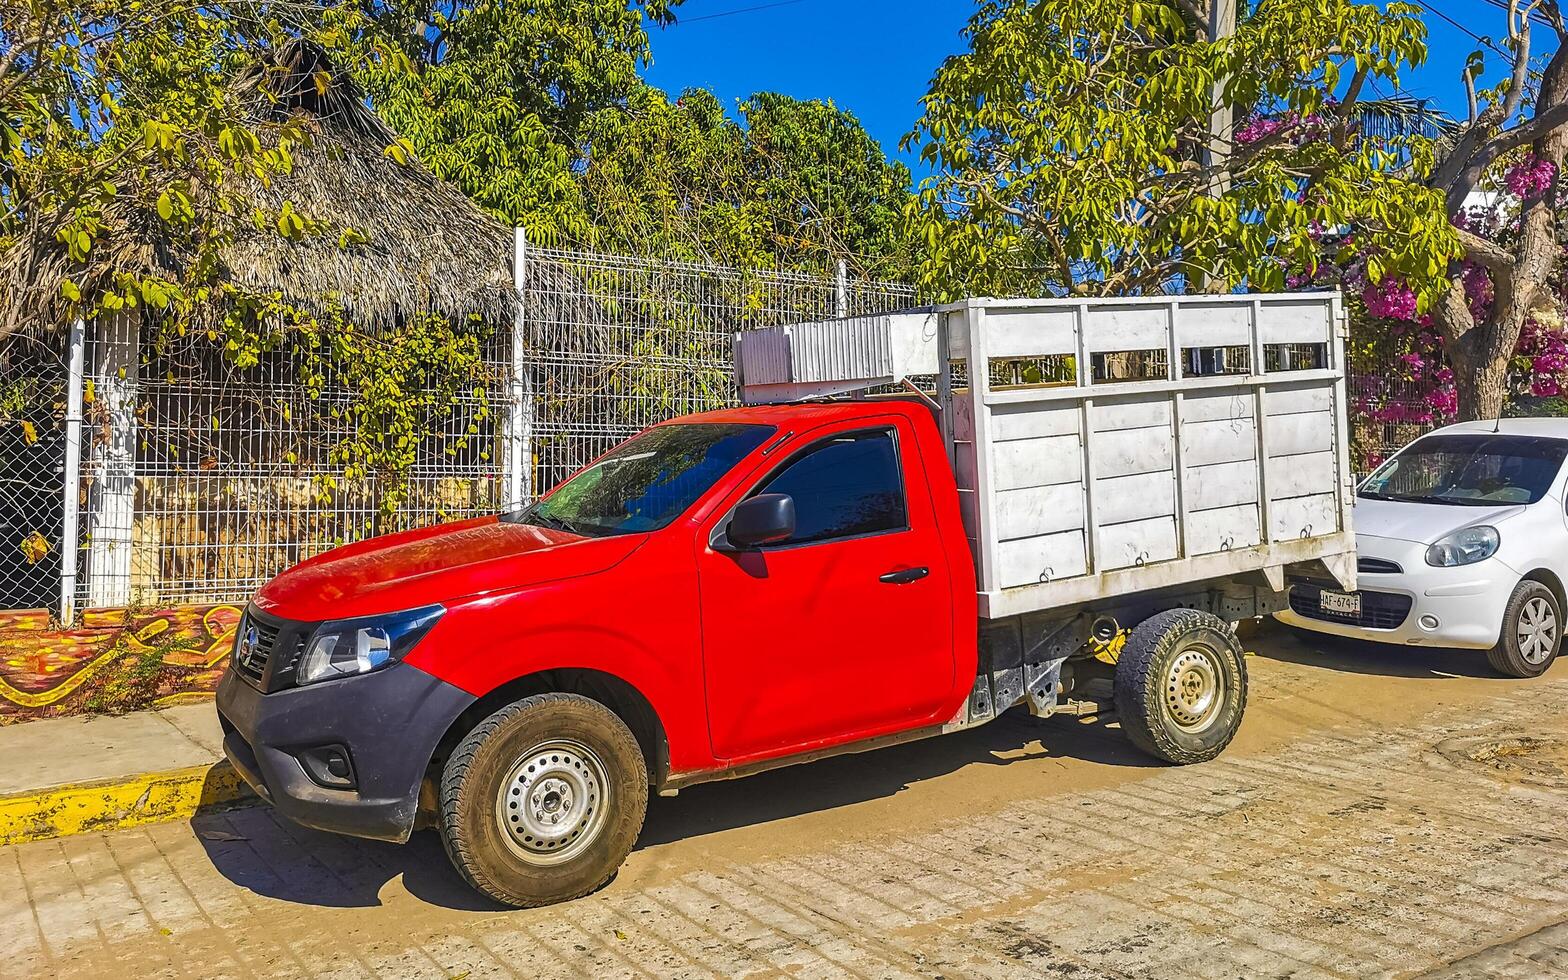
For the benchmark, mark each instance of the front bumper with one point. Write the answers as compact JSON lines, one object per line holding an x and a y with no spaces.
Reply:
{"x":1466,"y":603}
{"x":388,"y":721}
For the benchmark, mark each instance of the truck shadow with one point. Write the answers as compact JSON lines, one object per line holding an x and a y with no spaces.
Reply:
{"x":257,"y":850}
{"x":848,"y":779}
{"x":1279,"y":642}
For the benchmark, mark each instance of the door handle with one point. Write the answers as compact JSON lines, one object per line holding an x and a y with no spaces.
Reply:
{"x":905,"y":575}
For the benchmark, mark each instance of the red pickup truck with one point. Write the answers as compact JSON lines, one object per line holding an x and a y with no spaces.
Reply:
{"x":720,"y":594}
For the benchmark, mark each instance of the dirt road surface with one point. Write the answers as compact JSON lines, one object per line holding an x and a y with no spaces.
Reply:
{"x":1383,"y":813}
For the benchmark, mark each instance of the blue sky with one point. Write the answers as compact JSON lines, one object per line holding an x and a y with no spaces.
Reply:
{"x":874,"y":57}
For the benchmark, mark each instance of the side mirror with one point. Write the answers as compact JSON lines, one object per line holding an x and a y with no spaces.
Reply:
{"x":767,"y":518}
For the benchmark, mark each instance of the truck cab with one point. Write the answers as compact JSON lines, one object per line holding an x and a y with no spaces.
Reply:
{"x":737,"y":587}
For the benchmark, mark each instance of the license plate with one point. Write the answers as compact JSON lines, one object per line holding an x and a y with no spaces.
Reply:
{"x":1344,"y":603}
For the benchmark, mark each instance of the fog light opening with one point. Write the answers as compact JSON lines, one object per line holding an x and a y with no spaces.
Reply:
{"x":1430,"y":622}
{"x":329,"y":766}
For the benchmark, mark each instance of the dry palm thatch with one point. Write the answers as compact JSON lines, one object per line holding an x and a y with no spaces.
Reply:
{"x":386,"y":239}
{"x":394,"y":240}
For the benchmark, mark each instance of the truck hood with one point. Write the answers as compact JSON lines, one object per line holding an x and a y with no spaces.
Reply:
{"x":439,"y":564}
{"x":1424,"y":523}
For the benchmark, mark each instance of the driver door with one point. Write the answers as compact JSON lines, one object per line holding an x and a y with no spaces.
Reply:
{"x":836,"y":634}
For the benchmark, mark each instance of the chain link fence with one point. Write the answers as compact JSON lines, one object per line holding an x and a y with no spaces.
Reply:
{"x":33,"y":430}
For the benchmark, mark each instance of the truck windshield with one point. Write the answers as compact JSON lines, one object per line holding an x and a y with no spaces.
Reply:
{"x":1469,"y":470}
{"x":645,"y":482}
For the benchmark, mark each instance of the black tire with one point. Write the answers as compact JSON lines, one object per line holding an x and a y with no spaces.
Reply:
{"x":599,"y":782}
{"x":1154,"y":686}
{"x":1514,"y":655}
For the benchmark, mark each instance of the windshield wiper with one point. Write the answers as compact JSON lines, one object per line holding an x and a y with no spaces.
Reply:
{"x":547,"y":520}
{"x":1407,"y":498}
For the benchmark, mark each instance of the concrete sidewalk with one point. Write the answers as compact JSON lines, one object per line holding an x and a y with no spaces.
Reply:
{"x":68,"y":775}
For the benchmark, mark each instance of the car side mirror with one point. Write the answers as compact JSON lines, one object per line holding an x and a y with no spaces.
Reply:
{"x":767,"y":518}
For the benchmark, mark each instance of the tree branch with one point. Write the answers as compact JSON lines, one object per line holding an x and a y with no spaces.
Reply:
{"x":1198,"y":13}
{"x":1485,"y":252}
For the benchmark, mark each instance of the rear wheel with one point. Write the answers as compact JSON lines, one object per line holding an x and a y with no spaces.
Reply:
{"x":543,"y":800}
{"x":1181,"y":686}
{"x":1532,"y":632}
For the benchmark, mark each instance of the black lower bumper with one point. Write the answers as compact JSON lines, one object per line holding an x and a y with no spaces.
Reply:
{"x":388,"y":723}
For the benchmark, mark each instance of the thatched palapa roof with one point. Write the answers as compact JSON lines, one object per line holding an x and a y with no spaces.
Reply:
{"x":418,"y":244}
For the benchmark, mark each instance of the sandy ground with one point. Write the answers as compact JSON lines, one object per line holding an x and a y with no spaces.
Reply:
{"x":1384,"y":812}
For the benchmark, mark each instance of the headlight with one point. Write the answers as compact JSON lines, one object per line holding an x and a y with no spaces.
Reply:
{"x":346,"y":647}
{"x":1464,"y":547}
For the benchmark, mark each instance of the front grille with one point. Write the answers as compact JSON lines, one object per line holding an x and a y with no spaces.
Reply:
{"x":1379,"y":610}
{"x":266,"y":649}
{"x":1378,"y":566}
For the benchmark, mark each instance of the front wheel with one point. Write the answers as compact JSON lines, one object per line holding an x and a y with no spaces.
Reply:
{"x":1181,"y":686}
{"x":1532,"y":632}
{"x":543,"y":800}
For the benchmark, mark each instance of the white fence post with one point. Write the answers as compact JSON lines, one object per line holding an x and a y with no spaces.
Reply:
{"x":71,"y":488}
{"x":841,"y":290}
{"x":518,"y":471}
{"x":112,"y":502}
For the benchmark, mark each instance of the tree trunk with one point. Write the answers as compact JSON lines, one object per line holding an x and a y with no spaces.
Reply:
{"x":1482,"y":385}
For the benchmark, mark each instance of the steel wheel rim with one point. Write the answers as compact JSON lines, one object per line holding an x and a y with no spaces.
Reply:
{"x":1537,"y":630}
{"x":1194,"y":689}
{"x":552,"y":804}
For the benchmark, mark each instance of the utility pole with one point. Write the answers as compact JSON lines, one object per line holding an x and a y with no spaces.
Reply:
{"x":1222,"y":24}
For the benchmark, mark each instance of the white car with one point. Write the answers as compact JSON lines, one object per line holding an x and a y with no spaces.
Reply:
{"x":1462,"y":541}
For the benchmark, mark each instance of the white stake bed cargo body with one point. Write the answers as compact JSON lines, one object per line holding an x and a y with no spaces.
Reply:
{"x":1112,"y":447}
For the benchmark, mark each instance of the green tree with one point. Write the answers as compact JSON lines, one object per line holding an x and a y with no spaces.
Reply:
{"x":494,"y":96}
{"x":1514,"y":141}
{"x":796,"y":184}
{"x":120,"y":146}
{"x":1070,"y":148}
{"x":538,"y":113}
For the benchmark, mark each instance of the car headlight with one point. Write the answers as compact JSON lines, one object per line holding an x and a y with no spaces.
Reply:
{"x":1464,"y":547}
{"x":345,"y":647}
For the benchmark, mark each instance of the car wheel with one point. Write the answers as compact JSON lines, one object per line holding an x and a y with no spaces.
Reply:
{"x":1532,"y":632}
{"x":1181,"y":686}
{"x":543,"y":800}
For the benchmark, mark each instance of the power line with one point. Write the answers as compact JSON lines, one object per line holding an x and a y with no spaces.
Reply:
{"x":741,"y":10}
{"x":1479,"y":39}
{"x":1535,"y":15}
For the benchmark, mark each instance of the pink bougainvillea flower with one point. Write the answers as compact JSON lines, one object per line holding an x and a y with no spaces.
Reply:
{"x":1530,"y":176}
{"x":1390,"y":299}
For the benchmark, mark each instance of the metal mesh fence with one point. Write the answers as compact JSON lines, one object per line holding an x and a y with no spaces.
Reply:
{"x":33,"y":375}
{"x":616,"y":344}
{"x":203,"y":478}
{"x":200,"y":479}
{"x":1387,"y":408}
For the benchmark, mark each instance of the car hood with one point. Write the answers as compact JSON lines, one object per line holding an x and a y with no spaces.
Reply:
{"x":439,"y":564}
{"x":1424,"y":523}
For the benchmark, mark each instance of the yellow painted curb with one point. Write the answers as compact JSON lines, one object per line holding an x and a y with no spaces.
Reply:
{"x":86,"y":808}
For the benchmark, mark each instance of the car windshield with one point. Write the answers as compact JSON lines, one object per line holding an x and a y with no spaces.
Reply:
{"x":1469,"y":469}
{"x":645,"y":482}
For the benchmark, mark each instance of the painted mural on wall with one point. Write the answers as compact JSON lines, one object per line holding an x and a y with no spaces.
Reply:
{"x":116,"y":660}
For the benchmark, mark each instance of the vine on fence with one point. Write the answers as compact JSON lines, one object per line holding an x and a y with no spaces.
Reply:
{"x":406,"y":384}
